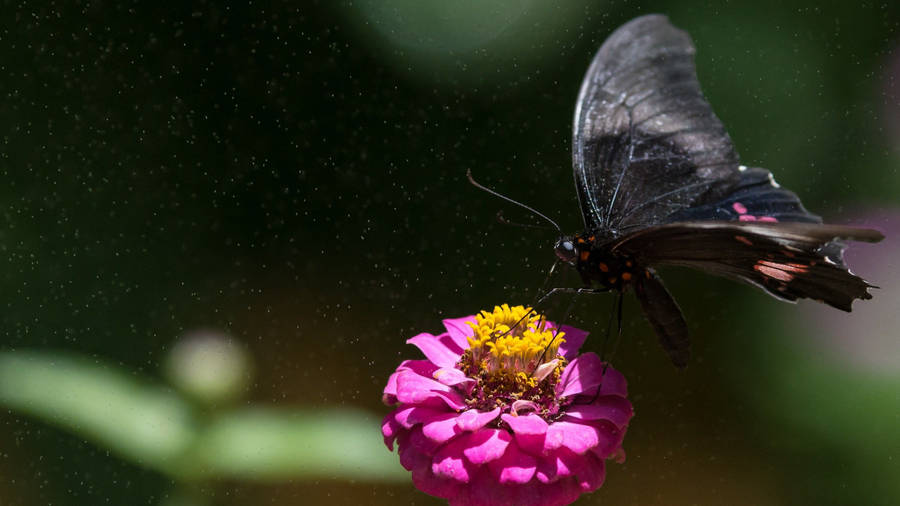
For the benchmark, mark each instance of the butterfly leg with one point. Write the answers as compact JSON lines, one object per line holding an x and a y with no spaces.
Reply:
{"x":543,"y":289}
{"x":617,"y":312}
{"x":575,"y":291}
{"x":554,"y":291}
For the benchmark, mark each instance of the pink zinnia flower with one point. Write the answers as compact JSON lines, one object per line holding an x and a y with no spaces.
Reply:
{"x":500,"y":413}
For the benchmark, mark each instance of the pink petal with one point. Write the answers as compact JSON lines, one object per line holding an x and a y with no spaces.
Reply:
{"x":530,"y":424}
{"x":410,"y":459}
{"x":544,"y":370}
{"x":415,"y":389}
{"x":420,"y":443}
{"x":608,"y":407}
{"x":514,"y":466}
{"x":552,"y":467}
{"x":574,"y":340}
{"x":421,"y":367}
{"x":582,"y":374}
{"x":449,"y":462}
{"x":575,"y":436}
{"x":588,"y":469}
{"x":529,"y":430}
{"x":451,"y":377}
{"x":441,"y":428}
{"x":389,"y":397}
{"x":609,"y":438}
{"x":521,"y":407}
{"x":473,"y":419}
{"x":483,"y":490}
{"x":436,"y":349}
{"x":486,"y":445}
{"x":438,"y":486}
{"x":450,"y":467}
{"x":613,"y":383}
{"x":408,"y":416}
{"x":458,"y":330}
{"x":561,"y":493}
{"x":410,"y":456}
{"x":389,"y":430}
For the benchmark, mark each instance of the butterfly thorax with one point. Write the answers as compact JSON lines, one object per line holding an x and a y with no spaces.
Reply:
{"x":600,"y":266}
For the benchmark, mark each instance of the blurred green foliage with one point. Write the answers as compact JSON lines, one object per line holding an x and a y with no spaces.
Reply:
{"x":147,"y":425}
{"x":155,"y":427}
{"x":292,"y":174}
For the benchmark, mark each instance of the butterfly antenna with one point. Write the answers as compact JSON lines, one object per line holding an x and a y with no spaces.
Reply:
{"x":502,"y":220}
{"x":478,"y":185}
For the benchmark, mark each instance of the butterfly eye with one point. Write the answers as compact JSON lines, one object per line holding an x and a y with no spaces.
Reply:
{"x":565,"y":250}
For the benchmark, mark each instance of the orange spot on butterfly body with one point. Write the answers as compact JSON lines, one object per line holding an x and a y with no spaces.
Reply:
{"x":626,"y":276}
{"x":743,"y":239}
{"x":585,"y":255}
{"x":603,"y":267}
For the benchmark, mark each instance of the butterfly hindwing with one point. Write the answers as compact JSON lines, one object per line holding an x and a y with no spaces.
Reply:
{"x":788,"y":260}
{"x":756,"y":197}
{"x":664,"y":316}
{"x":646,"y":143}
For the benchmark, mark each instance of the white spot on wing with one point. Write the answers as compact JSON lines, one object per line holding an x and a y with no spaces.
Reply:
{"x":772,"y":181}
{"x":742,"y":168}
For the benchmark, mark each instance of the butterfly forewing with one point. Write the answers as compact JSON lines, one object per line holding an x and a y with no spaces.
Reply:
{"x":646,"y":143}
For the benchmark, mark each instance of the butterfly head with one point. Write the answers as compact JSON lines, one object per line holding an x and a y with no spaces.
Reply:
{"x":565,"y":250}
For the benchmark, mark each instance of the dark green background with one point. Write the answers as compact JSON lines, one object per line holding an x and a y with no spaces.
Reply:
{"x":293,"y":173}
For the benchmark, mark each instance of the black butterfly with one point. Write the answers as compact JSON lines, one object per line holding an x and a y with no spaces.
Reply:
{"x":660,"y":184}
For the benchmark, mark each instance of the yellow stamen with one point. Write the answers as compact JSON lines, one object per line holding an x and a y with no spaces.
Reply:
{"x":513,"y":340}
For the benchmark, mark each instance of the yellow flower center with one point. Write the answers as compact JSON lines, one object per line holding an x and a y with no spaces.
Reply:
{"x":513,"y":340}
{"x":514,"y":358}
